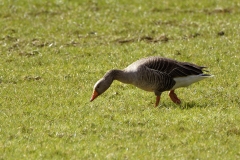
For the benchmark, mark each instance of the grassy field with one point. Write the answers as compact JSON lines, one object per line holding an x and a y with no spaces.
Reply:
{"x":53,"y":52}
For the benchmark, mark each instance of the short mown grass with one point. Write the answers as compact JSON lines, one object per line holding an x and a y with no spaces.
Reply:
{"x":53,"y":52}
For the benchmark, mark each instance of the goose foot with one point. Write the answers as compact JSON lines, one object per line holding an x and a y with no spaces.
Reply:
{"x":157,"y":101}
{"x":174,"y":97}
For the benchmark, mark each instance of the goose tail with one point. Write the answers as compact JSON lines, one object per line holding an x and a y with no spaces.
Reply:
{"x":206,"y":75}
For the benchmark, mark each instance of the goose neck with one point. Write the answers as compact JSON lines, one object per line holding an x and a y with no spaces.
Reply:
{"x":120,"y":75}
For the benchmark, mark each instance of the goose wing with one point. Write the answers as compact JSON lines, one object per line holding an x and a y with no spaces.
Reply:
{"x":158,"y":81}
{"x":173,"y":68}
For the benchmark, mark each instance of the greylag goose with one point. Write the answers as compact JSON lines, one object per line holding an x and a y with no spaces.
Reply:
{"x":154,"y":74}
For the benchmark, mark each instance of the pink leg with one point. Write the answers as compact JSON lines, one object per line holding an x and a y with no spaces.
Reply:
{"x":174,"y":97}
{"x":157,"y":101}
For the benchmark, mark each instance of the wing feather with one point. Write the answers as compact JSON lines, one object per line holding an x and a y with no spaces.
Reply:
{"x":172,"y":67}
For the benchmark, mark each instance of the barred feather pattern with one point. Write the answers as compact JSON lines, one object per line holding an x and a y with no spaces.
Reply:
{"x":154,"y":80}
{"x":172,"y":67}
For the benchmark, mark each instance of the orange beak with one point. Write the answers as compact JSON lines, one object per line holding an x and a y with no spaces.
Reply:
{"x":94,"y":95}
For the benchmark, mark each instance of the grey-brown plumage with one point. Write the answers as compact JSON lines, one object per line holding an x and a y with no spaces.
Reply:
{"x":154,"y":74}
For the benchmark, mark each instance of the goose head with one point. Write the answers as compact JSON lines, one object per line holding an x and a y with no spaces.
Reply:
{"x":101,"y":86}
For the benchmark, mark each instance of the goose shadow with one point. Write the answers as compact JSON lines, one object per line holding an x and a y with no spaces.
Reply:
{"x":185,"y":105}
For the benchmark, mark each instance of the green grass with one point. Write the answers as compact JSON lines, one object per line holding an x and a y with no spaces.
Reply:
{"x":53,"y":52}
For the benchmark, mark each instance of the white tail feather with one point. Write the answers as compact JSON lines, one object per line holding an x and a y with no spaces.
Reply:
{"x":188,"y":80}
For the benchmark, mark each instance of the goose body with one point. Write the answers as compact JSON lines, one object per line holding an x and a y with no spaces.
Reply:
{"x":154,"y":74}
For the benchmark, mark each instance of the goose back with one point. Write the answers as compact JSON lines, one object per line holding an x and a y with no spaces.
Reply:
{"x":171,"y":67}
